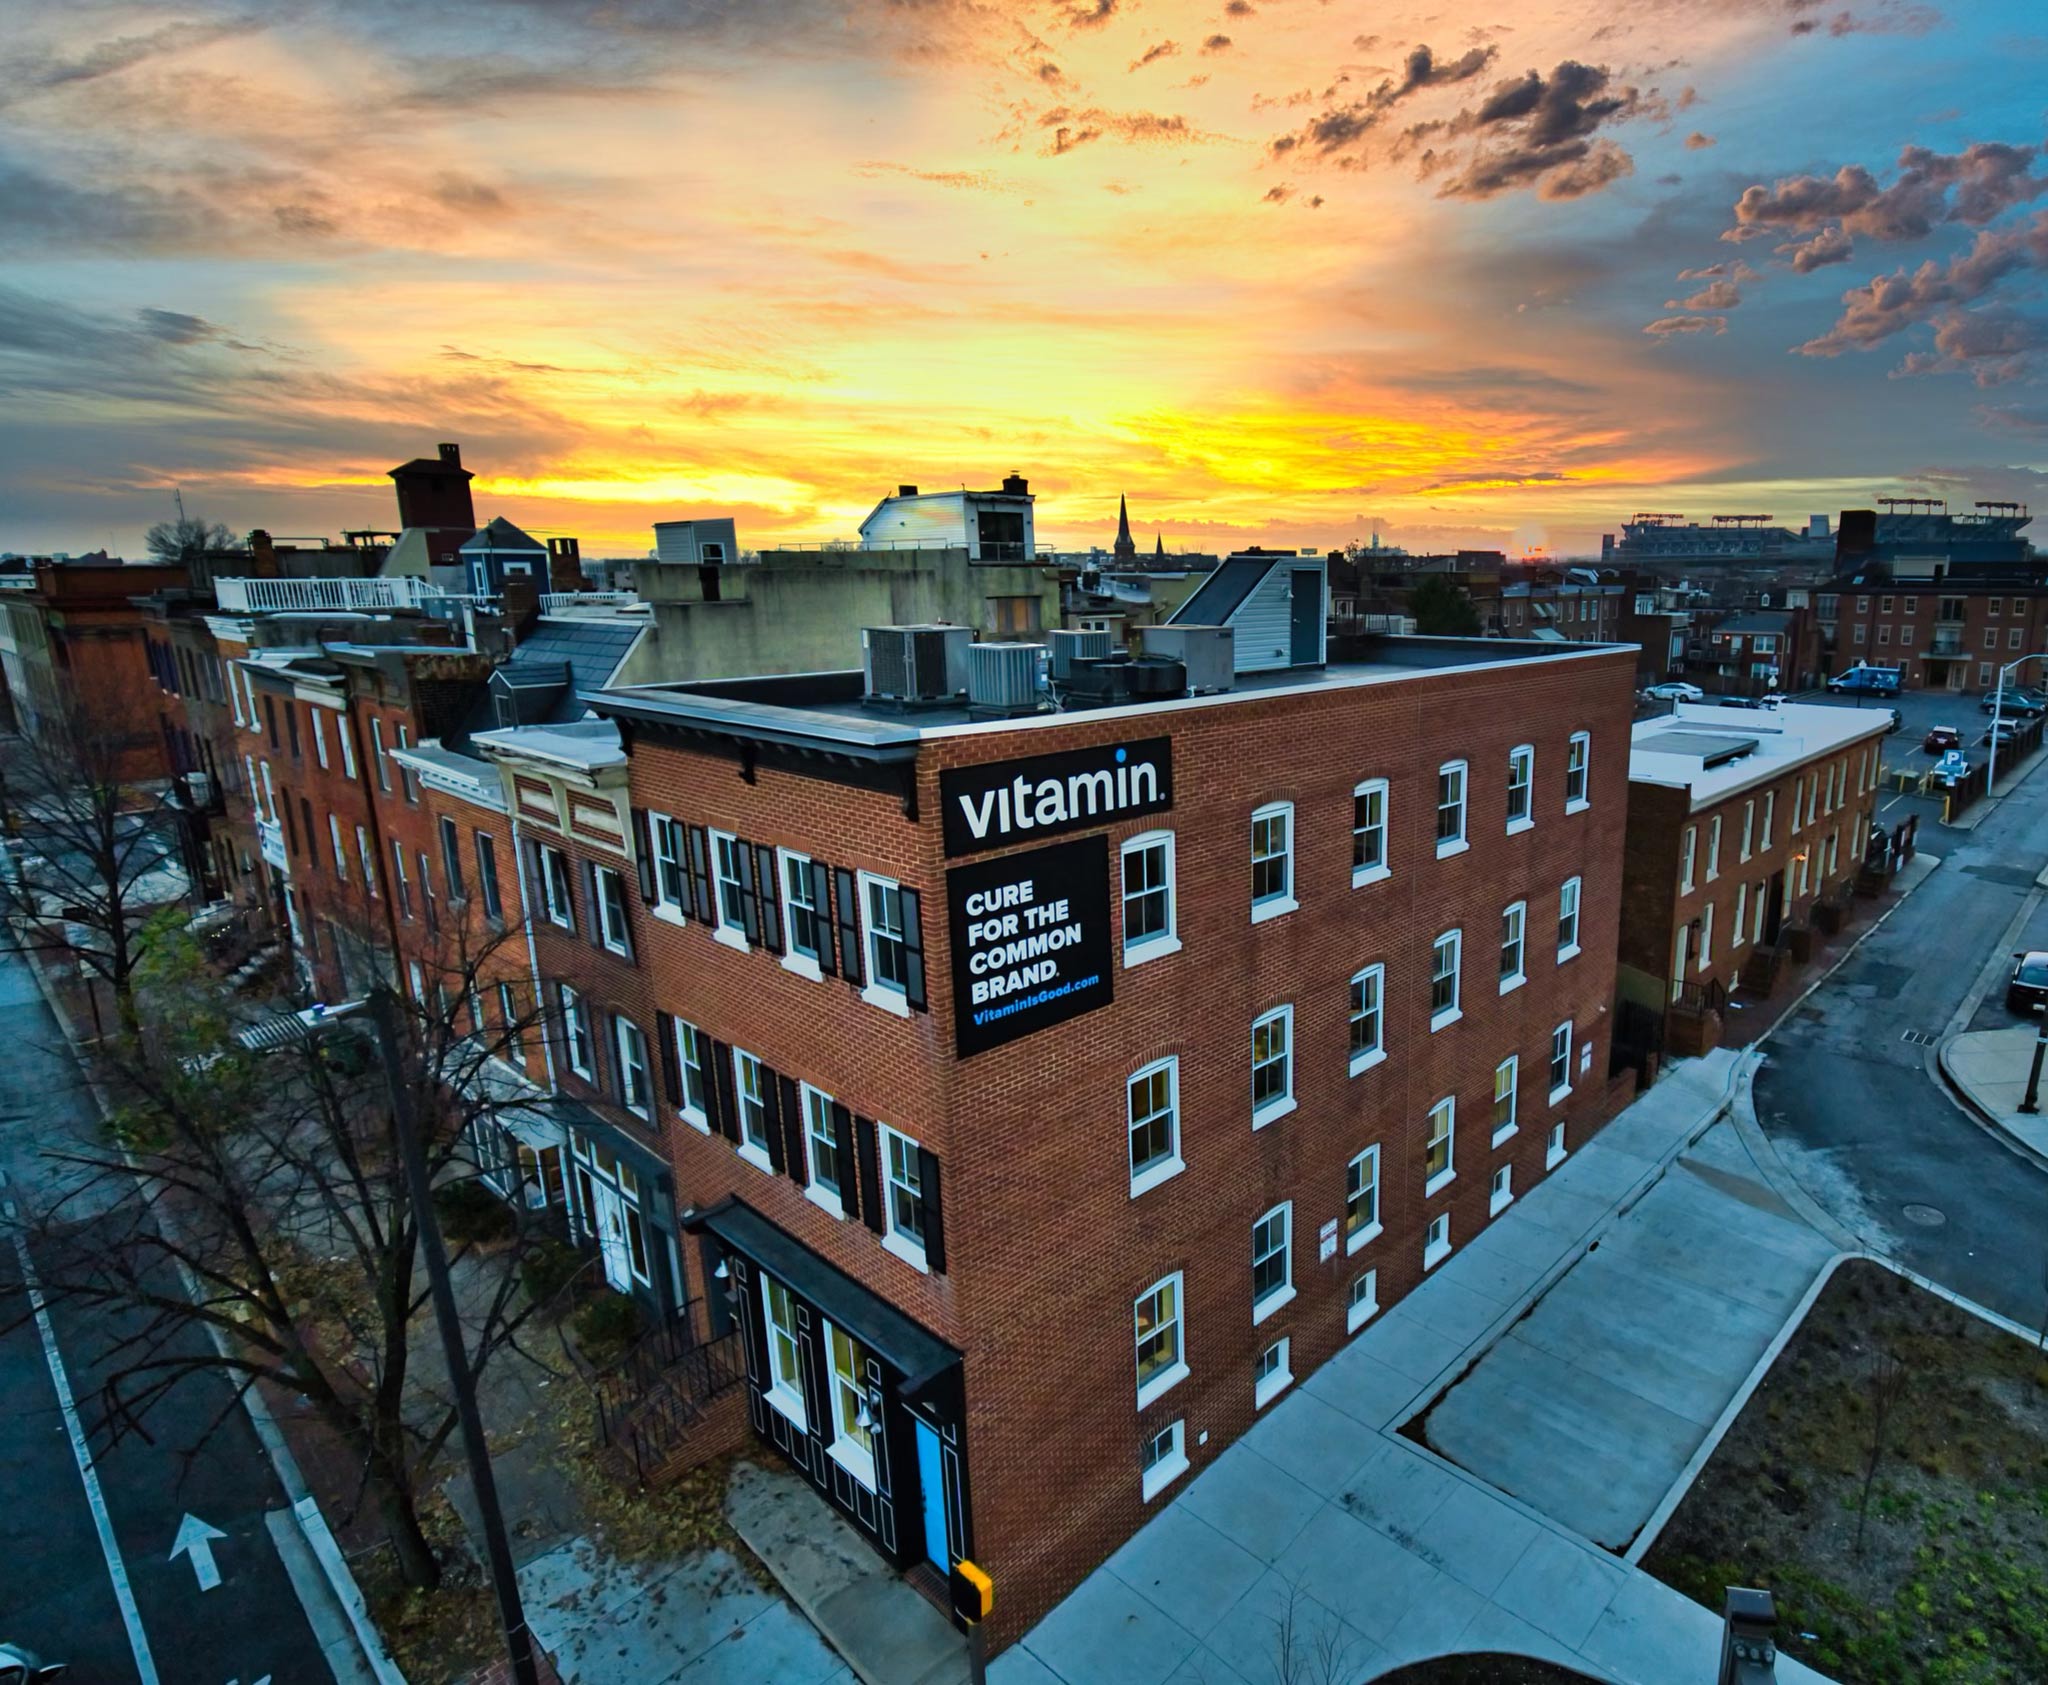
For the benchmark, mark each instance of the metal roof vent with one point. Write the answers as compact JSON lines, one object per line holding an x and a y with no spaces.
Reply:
{"x":1003,"y":678}
{"x":915,"y":665}
{"x":1068,"y":647}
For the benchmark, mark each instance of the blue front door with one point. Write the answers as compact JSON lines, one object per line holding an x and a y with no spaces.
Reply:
{"x":1305,"y":623}
{"x":932,"y":1482}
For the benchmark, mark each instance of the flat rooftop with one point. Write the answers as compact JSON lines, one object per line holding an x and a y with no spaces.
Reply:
{"x":1714,"y":750}
{"x":829,"y":710}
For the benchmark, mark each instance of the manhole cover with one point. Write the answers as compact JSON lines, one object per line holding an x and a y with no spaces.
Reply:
{"x":1926,"y":1216}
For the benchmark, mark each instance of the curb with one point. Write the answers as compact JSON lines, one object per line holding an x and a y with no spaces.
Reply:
{"x":1981,"y":1114}
{"x":334,"y":1568}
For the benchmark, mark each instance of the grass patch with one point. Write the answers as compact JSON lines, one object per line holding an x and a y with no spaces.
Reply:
{"x":1949,"y":1585}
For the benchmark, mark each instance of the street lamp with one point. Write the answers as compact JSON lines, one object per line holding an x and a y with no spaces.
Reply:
{"x":1998,"y":713}
{"x":2031,"y":1104}
{"x":381,"y":1005}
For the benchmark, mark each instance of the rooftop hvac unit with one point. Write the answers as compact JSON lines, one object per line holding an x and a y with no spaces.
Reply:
{"x":915,"y":664}
{"x":1208,"y":652}
{"x":1066,"y":647}
{"x":1111,"y":680}
{"x":1003,"y":677}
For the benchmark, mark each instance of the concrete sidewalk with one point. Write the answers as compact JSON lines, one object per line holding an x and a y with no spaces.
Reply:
{"x":1391,"y":1554}
{"x":1989,"y":1069}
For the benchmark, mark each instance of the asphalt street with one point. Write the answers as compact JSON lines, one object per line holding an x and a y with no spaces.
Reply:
{"x":1849,"y":1094}
{"x":87,"y":1574}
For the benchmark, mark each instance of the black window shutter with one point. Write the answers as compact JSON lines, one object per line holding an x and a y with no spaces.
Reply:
{"x":725,"y":1114}
{"x":849,"y":926}
{"x":750,"y":902}
{"x":821,"y":898}
{"x":595,"y":934}
{"x":643,"y":854}
{"x":671,"y":1066}
{"x":928,"y":1196}
{"x":771,"y":898}
{"x":794,"y":1157}
{"x":842,"y":1142}
{"x":700,"y":874}
{"x":868,"y":1172}
{"x":913,"y":948}
{"x":771,"y":1116}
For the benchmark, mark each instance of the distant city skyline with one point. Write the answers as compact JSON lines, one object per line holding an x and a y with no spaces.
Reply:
{"x":1273,"y":279}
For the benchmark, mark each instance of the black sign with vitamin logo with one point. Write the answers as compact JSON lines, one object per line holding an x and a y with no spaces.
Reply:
{"x":1031,"y":941}
{"x":1044,"y":795}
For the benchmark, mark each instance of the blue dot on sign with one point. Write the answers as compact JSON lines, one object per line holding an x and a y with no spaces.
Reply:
{"x":1121,"y":753}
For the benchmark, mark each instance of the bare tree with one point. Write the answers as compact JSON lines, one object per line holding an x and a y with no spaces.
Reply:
{"x":187,"y":539}
{"x":1885,"y":1386}
{"x":273,"y":1184}
{"x":1310,"y":1645}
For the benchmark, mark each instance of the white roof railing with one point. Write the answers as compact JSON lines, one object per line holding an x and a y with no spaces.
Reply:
{"x":256,"y":596}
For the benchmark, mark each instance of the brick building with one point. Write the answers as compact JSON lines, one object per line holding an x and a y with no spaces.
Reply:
{"x":1033,"y":1169}
{"x":1745,"y":827}
{"x":1945,"y":634}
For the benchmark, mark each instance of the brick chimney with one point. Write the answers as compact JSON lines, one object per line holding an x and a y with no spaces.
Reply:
{"x":262,"y":555}
{"x":565,"y":566}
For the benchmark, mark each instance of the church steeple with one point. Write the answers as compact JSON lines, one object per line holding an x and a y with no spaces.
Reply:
{"x":1126,"y":550}
{"x":1159,"y":545}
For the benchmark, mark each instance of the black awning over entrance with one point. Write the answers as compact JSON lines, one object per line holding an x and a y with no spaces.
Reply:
{"x":901,"y":1343}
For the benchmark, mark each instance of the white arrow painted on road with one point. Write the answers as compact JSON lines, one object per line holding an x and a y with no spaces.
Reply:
{"x":195,"y":1539}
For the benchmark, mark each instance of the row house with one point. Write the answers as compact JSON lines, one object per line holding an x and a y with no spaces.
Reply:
{"x":1944,"y":634}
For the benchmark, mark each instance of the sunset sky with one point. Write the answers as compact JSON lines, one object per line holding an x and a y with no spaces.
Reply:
{"x":1278,"y":270}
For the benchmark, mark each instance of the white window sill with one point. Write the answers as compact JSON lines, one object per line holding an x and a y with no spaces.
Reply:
{"x":639,"y":1112}
{"x":1687,"y":888}
{"x":1364,"y":1238}
{"x":1517,"y":826}
{"x":730,"y":937}
{"x":1497,"y":1203}
{"x":1162,"y":1383}
{"x":1152,"y":948}
{"x":1508,"y":985}
{"x":1278,"y":1299}
{"x":1456,"y":845}
{"x":757,"y":1156}
{"x":1571,"y":953}
{"x":858,"y":1463}
{"x":1363,"y":875}
{"x":1272,"y":907}
{"x":1264,"y":1392}
{"x":908,"y":1250}
{"x":804,"y":966}
{"x":793,"y":1408}
{"x":1578,"y":806}
{"x":619,"y":948}
{"x":1501,"y":1137}
{"x":1153,"y":1174}
{"x":554,"y":919}
{"x":576,"y":1070}
{"x":888,"y":999}
{"x":1444,"y":1019}
{"x":695,"y":1119}
{"x":1272,"y":1112}
{"x":1363,"y":1062}
{"x":669,"y":913}
{"x":1559,"y":1095}
{"x":1553,"y":1157}
{"x":1163,"y":1474}
{"x":825,"y":1200}
{"x":1357,"y":1316}
{"x":1435,"y":1255}
{"x":1437,"y":1183}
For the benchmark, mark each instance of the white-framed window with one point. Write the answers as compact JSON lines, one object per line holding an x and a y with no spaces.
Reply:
{"x":369,"y":865}
{"x":805,"y":920}
{"x":671,"y":893}
{"x":611,"y":909}
{"x":1440,"y":1154}
{"x":1362,"y":1301}
{"x":1568,"y":920}
{"x":318,"y":715}
{"x":1270,"y":1374}
{"x":635,"y":1093}
{"x":1521,"y":787}
{"x":1688,"y":841}
{"x":1369,"y":833}
{"x":1152,"y":1120}
{"x":269,"y":792}
{"x":1560,"y":1061}
{"x":728,"y":903}
{"x":1156,"y":1324}
{"x":1149,"y":930}
{"x":1273,"y":861}
{"x":1553,"y":1147}
{"x":1707,"y":937}
{"x":785,"y":1388}
{"x":1507,"y":1083}
{"x":1368,"y":1018}
{"x":554,"y":882}
{"x":1736,"y":934}
{"x":1450,"y":808}
{"x":513,"y":1047}
{"x":1272,"y":1065}
{"x":1272,"y":1261}
{"x":1713,"y":848}
{"x":826,"y":1180}
{"x":1163,"y":1461}
{"x":1514,"y":921}
{"x":401,"y":884}
{"x":487,"y":876}
{"x":881,"y":906}
{"x":1444,"y":955}
{"x":1748,"y":828}
{"x":1578,"y":758}
{"x":576,"y":1034}
{"x":235,"y":697}
{"x":693,"y":1062}
{"x":347,"y":738}
{"x":1436,"y":1242}
{"x":1770,"y":808}
{"x":750,"y":1101}
{"x":903,"y":1197}
{"x":853,"y":1417}
{"x":1362,"y":1200}
{"x":340,"y":849}
{"x":1501,"y":1193}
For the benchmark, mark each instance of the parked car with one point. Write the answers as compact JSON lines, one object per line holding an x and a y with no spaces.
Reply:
{"x":1951,"y":769}
{"x":2026,"y":704}
{"x":23,"y":1667}
{"x":2001,"y":731}
{"x":1771,"y":698}
{"x":1940,"y":738}
{"x":2027,"y":989}
{"x":1675,"y":690}
{"x":1866,"y":680}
